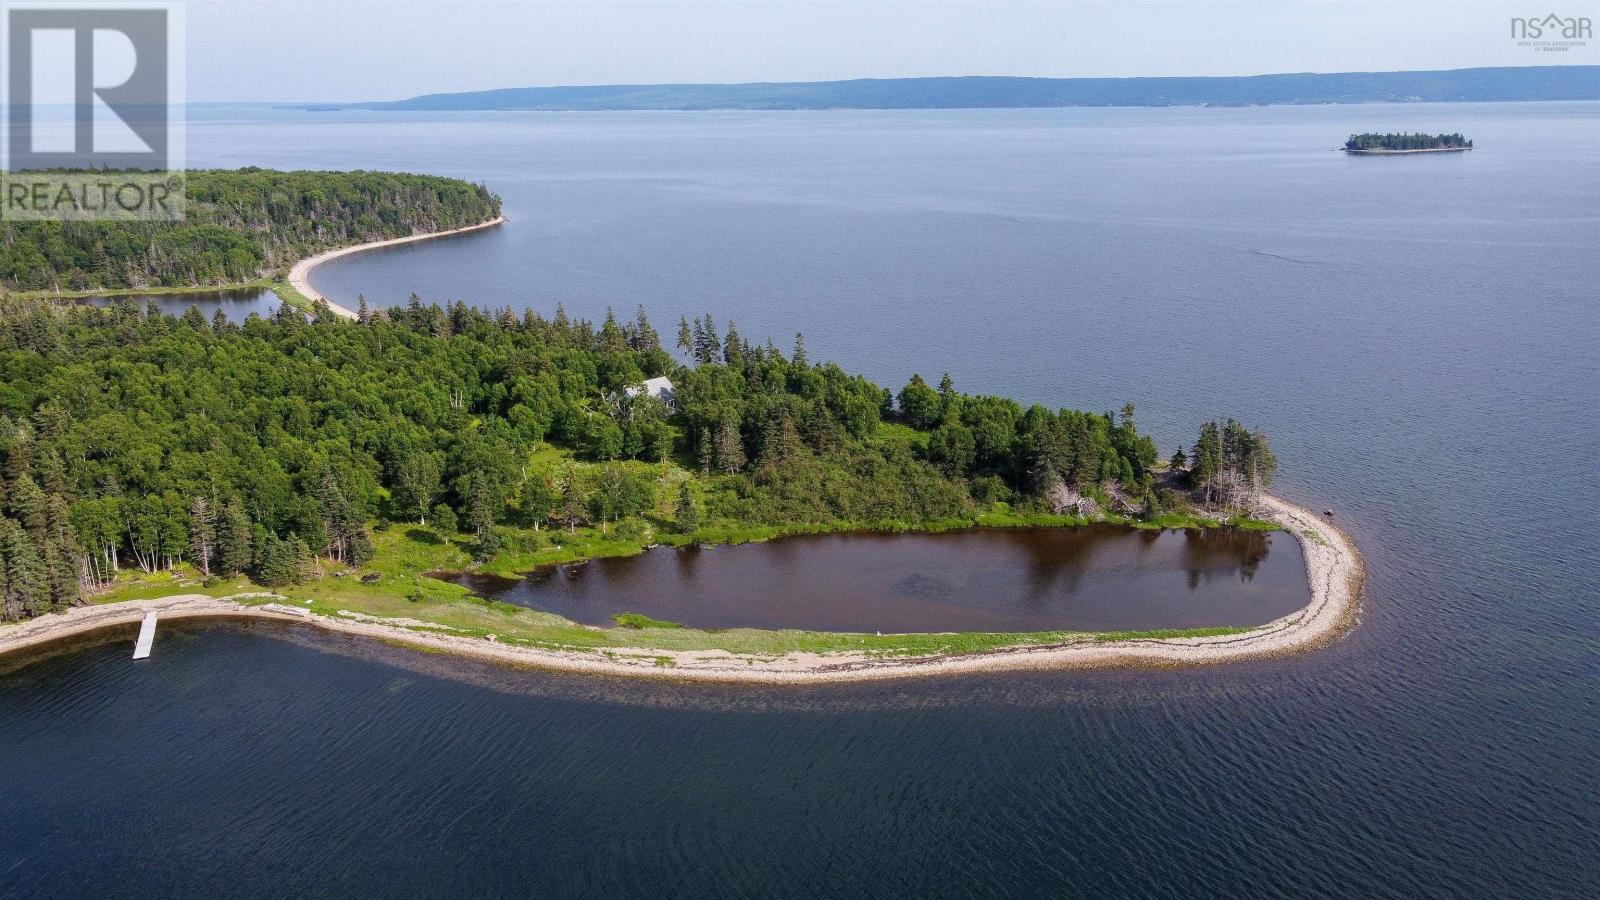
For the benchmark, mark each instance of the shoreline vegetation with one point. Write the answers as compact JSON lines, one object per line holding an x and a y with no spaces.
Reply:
{"x":245,"y":228}
{"x":644,"y":648}
{"x":1396,"y":143}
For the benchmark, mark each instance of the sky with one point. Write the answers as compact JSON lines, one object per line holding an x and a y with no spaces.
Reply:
{"x":349,"y":50}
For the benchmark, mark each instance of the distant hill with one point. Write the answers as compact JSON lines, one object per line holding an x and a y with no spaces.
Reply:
{"x":1501,"y":84}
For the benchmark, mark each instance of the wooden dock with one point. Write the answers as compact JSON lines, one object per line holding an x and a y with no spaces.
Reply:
{"x":147,"y":636}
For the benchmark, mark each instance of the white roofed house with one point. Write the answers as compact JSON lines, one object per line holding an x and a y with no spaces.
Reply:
{"x":659,"y":387}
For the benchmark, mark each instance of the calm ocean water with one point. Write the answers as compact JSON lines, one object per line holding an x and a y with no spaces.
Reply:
{"x":1418,"y":335}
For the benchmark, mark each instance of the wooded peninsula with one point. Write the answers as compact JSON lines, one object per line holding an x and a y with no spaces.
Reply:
{"x":283,"y":449}
{"x":144,"y":455}
{"x":242,"y":225}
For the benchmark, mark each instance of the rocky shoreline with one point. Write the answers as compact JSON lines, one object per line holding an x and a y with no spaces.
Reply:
{"x":1333,"y":567}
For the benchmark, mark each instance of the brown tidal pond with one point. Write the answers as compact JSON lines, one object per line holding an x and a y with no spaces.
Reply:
{"x":1092,"y":578}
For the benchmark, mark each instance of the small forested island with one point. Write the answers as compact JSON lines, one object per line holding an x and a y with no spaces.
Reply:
{"x":1406,"y":142}
{"x":245,"y":226}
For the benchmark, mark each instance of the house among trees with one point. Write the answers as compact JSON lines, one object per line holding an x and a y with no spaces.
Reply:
{"x":659,"y":387}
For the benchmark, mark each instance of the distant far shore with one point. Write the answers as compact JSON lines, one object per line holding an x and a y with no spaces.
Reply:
{"x":1483,"y":85}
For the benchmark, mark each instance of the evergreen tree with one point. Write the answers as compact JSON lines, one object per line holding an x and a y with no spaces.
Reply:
{"x":612,"y":339}
{"x":641,"y":337}
{"x":684,"y":511}
{"x":823,"y":432}
{"x":1179,"y":462}
{"x":780,"y":441}
{"x":283,"y":561}
{"x":952,"y":447}
{"x":341,"y":527}
{"x":686,"y":340}
{"x":729,"y":446}
{"x":1207,"y":459}
{"x":233,"y":539}
{"x":949,"y":400}
{"x":705,"y":441}
{"x":481,"y":507}
{"x":24,"y":585}
{"x":733,"y":345}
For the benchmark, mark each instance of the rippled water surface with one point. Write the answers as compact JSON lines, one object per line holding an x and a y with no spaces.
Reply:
{"x":1418,"y":335}
{"x":1012,"y":579}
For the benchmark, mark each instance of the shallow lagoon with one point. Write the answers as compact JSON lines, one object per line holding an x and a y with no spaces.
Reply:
{"x":1095,"y":578}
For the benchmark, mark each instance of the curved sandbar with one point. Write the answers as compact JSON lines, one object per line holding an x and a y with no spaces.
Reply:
{"x":1333,"y":568}
{"x":299,"y":275}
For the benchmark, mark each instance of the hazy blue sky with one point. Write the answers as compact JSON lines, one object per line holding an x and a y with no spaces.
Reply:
{"x":348,"y":50}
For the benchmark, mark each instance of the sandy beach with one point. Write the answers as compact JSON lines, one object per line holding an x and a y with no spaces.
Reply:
{"x":299,"y":276}
{"x":1333,"y":567}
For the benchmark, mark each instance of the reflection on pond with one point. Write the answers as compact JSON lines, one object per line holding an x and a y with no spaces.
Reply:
{"x":237,"y":304}
{"x":1017,"y":579}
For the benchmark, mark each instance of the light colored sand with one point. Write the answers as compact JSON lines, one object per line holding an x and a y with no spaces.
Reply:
{"x":299,"y":276}
{"x":1333,"y":567}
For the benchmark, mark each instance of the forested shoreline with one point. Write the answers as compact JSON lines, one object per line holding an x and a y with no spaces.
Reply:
{"x":133,"y":439}
{"x":241,"y":225}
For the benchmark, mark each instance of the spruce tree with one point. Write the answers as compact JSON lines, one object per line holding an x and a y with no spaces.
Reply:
{"x":684,"y":511}
{"x":729,"y":448}
{"x":733,"y":345}
{"x":481,"y":503}
{"x":686,"y":341}
{"x":233,"y":539}
{"x":283,"y":561}
{"x":24,"y":584}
